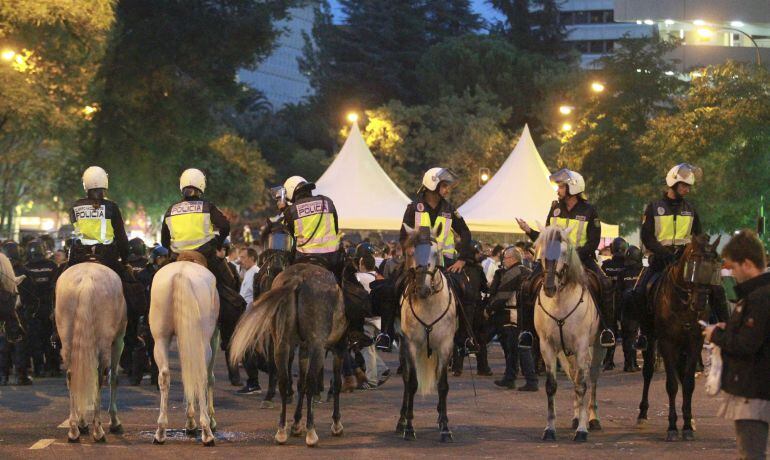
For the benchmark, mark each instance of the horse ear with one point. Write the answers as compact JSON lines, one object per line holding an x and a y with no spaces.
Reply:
{"x":439,"y":229}
{"x":408,"y":229}
{"x":20,"y":279}
{"x":539,"y":226}
{"x":715,"y":244}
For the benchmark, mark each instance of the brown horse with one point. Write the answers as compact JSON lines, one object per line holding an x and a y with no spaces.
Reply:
{"x":680,"y":299}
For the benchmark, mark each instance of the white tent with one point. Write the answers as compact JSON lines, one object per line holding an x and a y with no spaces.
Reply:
{"x":365,"y":197}
{"x":520,"y":188}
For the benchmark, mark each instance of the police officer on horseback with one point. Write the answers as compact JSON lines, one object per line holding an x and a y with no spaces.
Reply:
{"x":572,"y":211}
{"x":668,"y":225}
{"x":99,"y":229}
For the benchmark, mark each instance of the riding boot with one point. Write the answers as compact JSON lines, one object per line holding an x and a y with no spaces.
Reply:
{"x":22,"y":378}
{"x":457,"y":361}
{"x":609,"y":359}
{"x":607,"y":312}
{"x":482,"y":364}
{"x":233,"y":372}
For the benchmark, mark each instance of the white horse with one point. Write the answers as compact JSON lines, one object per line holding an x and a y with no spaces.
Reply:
{"x":567,"y":322}
{"x":428,"y":324}
{"x":91,"y":322}
{"x":184,"y":302}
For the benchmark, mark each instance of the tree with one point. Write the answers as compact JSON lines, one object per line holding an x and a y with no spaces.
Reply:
{"x":463,"y":133}
{"x":51,"y":51}
{"x":168,"y":85}
{"x":640,"y":85}
{"x":493,"y":65}
{"x":534,"y":26}
{"x":722,"y":125}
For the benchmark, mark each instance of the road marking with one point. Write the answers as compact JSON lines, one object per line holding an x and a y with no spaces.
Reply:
{"x":42,"y":444}
{"x":64,"y":424}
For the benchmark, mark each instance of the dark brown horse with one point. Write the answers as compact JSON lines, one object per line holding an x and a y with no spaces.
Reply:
{"x":679,"y":300}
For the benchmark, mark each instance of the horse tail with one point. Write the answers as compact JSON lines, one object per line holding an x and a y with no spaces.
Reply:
{"x":267,"y":318}
{"x":83,"y":359}
{"x":187,"y":319}
{"x":426,"y":369}
{"x":339,"y":322}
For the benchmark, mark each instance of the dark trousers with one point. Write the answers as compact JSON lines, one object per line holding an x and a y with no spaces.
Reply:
{"x":13,"y":354}
{"x":39,"y":330}
{"x":751,"y":437}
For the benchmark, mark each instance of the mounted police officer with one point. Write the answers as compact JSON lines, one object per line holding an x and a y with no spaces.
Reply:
{"x":572,"y":211}
{"x":196,"y":224}
{"x":99,"y":229}
{"x":13,"y":333}
{"x":502,"y":310}
{"x":614,"y":269}
{"x":40,"y":286}
{"x":668,"y":225}
{"x":473,"y":307}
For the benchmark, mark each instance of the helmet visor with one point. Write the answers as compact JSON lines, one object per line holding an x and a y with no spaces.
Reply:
{"x":447,"y":175}
{"x":686,"y":171}
{"x":278,"y":193}
{"x":279,"y":241}
{"x":561,"y":176}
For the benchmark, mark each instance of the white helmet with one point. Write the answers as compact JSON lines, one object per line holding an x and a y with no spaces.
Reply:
{"x":192,"y":178}
{"x":292,"y":184}
{"x":434,"y":176}
{"x":574,"y":181}
{"x":94,"y":177}
{"x":683,"y":172}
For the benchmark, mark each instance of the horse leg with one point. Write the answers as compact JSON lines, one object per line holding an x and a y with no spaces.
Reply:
{"x":688,"y":386}
{"x":211,"y":380}
{"x":337,"y":427}
{"x":411,"y":389}
{"x":302,"y":389}
{"x":281,"y":356}
{"x":443,"y":419}
{"x":672,"y":386}
{"x":581,"y":372}
{"x":74,"y":432}
{"x":117,"y":349}
{"x":549,"y":357}
{"x":164,"y":382}
{"x":647,"y":372}
{"x":191,"y":428}
{"x":207,"y":437}
{"x":314,"y":376}
{"x":403,"y":364}
{"x":98,"y":433}
{"x":593,"y":379}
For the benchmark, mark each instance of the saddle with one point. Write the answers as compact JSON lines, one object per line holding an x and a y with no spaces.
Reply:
{"x":594,"y":285}
{"x":193,"y":256}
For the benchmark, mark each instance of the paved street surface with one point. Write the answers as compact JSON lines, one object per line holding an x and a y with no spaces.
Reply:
{"x":495,"y":424}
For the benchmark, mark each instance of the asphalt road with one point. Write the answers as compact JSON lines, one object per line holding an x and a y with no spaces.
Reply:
{"x":495,"y":423}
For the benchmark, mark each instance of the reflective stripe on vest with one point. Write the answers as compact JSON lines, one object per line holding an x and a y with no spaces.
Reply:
{"x":314,"y":227}
{"x":190,"y":227}
{"x":673,"y":229}
{"x":578,"y":235}
{"x":92,"y":226}
{"x":446,"y":240}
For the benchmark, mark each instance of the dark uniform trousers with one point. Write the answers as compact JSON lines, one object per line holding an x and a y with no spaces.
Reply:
{"x":38,"y":313}
{"x":13,"y":344}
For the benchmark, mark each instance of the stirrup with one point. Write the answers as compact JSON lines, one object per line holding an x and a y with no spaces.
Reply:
{"x":607,"y":338}
{"x":382,"y":342}
{"x":641,"y":343}
{"x":470,"y":347}
{"x":525,"y":340}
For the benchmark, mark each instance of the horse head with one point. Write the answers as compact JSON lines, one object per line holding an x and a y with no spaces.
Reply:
{"x":698,"y":270}
{"x":557,"y":257}
{"x":422,"y":258}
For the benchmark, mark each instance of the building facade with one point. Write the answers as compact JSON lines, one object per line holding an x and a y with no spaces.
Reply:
{"x":279,"y":76}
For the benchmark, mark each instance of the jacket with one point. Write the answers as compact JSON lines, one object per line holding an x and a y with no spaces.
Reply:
{"x":745,"y":341}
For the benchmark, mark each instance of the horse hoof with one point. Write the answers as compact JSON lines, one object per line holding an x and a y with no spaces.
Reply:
{"x":446,"y":436}
{"x":267,"y":405}
{"x":575,"y":423}
{"x":688,"y":435}
{"x":73,"y":440}
{"x":594,"y":425}
{"x":101,"y":440}
{"x":210,"y":443}
{"x":672,"y":435}
{"x":297,"y":430}
{"x":191,"y":433}
{"x":116,"y":429}
{"x":409,"y":434}
{"x":158,"y":442}
{"x":549,"y":435}
{"x":311,"y":439}
{"x":580,"y":436}
{"x":337,"y":429}
{"x":640,"y":422}
{"x":400,"y":427}
{"x":281,"y":436}
{"x":83,"y":429}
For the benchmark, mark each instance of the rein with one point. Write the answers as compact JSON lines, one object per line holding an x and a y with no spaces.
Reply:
{"x":428,"y":327}
{"x":560,"y":322}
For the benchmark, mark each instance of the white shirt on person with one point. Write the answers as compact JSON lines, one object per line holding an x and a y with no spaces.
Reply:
{"x":366,"y":278}
{"x":247,"y":286}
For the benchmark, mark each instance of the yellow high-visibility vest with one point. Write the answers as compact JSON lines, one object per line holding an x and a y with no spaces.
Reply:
{"x":446,"y":239}
{"x":92,"y":226}
{"x":577,"y":235}
{"x":189,"y":223}
{"x":673,"y":228}
{"x":314,"y":228}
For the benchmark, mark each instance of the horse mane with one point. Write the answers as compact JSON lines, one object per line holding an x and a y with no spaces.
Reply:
{"x":575,"y":272}
{"x":7,"y":277}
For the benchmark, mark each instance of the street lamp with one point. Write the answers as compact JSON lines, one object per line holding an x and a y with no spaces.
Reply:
{"x":566,"y":109}
{"x":352,"y":117}
{"x":8,"y":55}
{"x":484,"y":176}
{"x":597,"y":87}
{"x":566,"y":127}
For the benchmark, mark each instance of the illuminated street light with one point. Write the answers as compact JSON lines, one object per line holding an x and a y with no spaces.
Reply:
{"x":89,"y":111}
{"x":703,"y":32}
{"x":699,"y":22}
{"x":736,"y":24}
{"x":566,"y":109}
{"x":669,"y":22}
{"x":8,"y":55}
{"x":484,"y":175}
{"x":566,"y":127}
{"x":597,"y":87}
{"x":649,"y":22}
{"x":352,"y":117}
